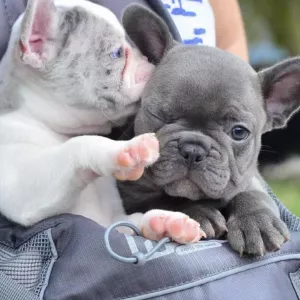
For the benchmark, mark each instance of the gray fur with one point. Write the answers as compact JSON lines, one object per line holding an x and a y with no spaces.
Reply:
{"x":195,"y":98}
{"x":153,"y":46}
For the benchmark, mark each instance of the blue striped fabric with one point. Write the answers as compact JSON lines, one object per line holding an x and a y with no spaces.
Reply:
{"x":194,"y":20}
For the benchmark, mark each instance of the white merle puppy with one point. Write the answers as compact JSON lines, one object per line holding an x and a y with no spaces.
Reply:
{"x":67,"y":77}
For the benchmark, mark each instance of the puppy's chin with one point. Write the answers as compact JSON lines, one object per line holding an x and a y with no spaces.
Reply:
{"x":184,"y":188}
{"x":213,"y":180}
{"x":208,"y":180}
{"x":203,"y":185}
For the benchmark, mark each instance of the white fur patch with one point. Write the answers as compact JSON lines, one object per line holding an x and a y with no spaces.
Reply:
{"x":44,"y":169}
{"x":257,"y":185}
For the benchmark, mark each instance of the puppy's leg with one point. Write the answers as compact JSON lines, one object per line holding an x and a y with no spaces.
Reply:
{"x":36,"y":183}
{"x":156,"y":224}
{"x":211,"y":220}
{"x":254,"y":226}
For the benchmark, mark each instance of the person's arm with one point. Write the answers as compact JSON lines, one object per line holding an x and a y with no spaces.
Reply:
{"x":230,"y":32}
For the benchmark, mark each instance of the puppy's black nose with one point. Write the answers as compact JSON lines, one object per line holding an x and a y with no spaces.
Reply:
{"x":193,"y":153}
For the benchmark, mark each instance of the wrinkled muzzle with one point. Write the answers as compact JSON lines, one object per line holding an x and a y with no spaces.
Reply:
{"x":191,"y":165}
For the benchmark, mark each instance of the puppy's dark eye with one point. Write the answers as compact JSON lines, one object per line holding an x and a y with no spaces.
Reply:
{"x":117,"y":53}
{"x":239,"y":133}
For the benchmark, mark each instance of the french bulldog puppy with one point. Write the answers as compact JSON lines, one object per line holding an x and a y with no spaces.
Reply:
{"x":67,"y":77}
{"x":209,"y":109}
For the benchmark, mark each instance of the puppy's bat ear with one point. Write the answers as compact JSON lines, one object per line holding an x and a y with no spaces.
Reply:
{"x":36,"y":30}
{"x":148,"y":31}
{"x":281,"y":91}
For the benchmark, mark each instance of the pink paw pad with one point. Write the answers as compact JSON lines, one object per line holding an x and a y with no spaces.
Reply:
{"x":140,"y":152}
{"x":177,"y":226}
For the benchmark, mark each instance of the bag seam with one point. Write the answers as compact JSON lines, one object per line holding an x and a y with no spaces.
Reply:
{"x":50,"y":268}
{"x":207,"y":275}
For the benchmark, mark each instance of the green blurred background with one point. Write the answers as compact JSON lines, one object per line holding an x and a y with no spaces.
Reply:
{"x":273,"y":32}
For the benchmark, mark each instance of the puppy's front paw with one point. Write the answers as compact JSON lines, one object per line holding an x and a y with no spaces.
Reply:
{"x":157,"y":224}
{"x":210,"y":219}
{"x":140,"y":152}
{"x":256,"y":233}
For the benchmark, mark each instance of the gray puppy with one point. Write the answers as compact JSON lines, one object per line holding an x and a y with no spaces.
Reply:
{"x":209,"y":109}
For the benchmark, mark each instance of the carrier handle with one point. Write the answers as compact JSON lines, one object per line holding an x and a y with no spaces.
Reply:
{"x":138,"y":258}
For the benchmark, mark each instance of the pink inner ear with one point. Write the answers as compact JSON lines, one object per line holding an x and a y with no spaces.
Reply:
{"x":40,"y":28}
{"x":279,"y":99}
{"x":278,"y":95}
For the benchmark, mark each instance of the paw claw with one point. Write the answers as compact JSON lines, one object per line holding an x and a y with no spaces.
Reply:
{"x":277,"y":247}
{"x":241,"y":252}
{"x":261,"y":253}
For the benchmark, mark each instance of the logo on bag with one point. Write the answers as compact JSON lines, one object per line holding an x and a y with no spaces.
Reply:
{"x":170,"y":248}
{"x":187,"y":249}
